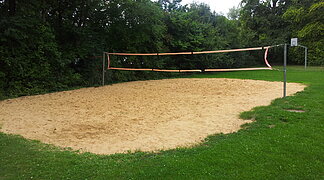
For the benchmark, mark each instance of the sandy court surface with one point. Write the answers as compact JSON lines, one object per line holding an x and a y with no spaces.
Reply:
{"x":142,"y":115}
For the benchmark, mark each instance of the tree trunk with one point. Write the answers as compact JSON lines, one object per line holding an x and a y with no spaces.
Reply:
{"x":274,"y":3}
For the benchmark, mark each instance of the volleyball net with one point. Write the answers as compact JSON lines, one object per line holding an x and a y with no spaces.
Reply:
{"x":128,"y":60}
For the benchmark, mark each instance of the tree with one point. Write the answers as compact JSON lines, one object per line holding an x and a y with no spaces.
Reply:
{"x":170,"y":5}
{"x":306,"y":23}
{"x":262,"y":23}
{"x":265,"y":18}
{"x":233,"y":13}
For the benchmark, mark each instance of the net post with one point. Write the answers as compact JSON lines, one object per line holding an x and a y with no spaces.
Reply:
{"x":103,"y":68}
{"x":306,"y":57}
{"x":285,"y":71}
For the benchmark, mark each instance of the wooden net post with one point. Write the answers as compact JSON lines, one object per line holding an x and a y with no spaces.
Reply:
{"x":103,"y":68}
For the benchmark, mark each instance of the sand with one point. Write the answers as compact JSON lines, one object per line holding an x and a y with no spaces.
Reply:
{"x":138,"y":116}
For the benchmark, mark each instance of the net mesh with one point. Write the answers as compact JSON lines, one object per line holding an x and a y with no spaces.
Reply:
{"x":139,"y":60}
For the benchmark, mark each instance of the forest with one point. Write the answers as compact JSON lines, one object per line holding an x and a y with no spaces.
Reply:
{"x":52,"y":45}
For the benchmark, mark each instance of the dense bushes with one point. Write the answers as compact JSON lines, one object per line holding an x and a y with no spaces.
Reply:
{"x":52,"y":45}
{"x":30,"y":58}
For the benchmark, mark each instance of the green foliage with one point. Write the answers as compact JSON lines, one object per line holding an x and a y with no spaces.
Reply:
{"x":307,"y":24}
{"x":263,"y":19}
{"x":196,"y":28}
{"x":30,"y":60}
{"x":55,"y":44}
{"x":276,"y":21}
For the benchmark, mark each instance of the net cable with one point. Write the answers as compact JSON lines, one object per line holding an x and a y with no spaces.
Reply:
{"x":266,"y":48}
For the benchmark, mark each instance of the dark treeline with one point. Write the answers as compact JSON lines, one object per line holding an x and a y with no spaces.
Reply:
{"x":50,"y":45}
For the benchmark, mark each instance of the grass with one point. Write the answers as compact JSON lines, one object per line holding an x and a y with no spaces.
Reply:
{"x":278,"y":145}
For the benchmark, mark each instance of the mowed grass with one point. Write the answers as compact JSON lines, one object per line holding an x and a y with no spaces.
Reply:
{"x":278,"y":145}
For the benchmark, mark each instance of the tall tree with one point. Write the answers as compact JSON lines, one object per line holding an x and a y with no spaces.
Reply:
{"x":170,"y":5}
{"x":265,"y":19}
{"x":307,"y":23}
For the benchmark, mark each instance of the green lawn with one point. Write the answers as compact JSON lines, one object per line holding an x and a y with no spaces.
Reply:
{"x":279,"y":145}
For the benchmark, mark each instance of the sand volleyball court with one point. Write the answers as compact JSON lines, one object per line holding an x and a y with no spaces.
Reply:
{"x":141,"y":115}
